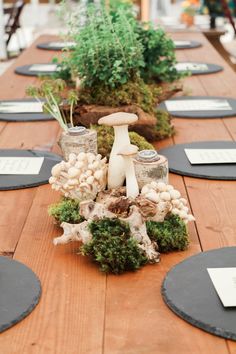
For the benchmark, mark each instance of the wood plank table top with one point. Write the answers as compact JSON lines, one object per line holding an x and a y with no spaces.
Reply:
{"x":83,"y":311}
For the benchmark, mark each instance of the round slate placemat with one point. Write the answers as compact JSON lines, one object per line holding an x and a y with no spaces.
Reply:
{"x":50,"y":46}
{"x":179,"y":163}
{"x":24,"y":70}
{"x":192,"y":44}
{"x":8,"y":182}
{"x":23,"y":117}
{"x":202,"y":114}
{"x":211,"y":68}
{"x":189,"y":292}
{"x":20,"y":292}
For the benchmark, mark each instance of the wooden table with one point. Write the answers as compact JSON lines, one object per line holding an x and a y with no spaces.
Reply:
{"x":81,"y":310}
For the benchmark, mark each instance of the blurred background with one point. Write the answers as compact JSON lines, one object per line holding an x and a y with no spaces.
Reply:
{"x":21,"y":22}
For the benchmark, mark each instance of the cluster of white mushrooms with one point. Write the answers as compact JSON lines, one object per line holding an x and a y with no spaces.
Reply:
{"x":81,"y":177}
{"x":159,"y":192}
{"x":84,"y":177}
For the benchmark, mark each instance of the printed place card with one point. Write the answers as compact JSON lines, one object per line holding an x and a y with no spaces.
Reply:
{"x":44,"y":67}
{"x":210,"y":156}
{"x":20,"y":165}
{"x":198,"y":105}
{"x":224,"y":281}
{"x":182,"y":43}
{"x":191,"y":67}
{"x":62,"y":44}
{"x":21,"y":107}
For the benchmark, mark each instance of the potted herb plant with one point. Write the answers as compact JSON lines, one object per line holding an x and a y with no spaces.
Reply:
{"x":121,"y":63}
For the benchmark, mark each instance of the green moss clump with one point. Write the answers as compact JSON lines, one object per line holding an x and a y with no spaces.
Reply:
{"x":106,"y":138}
{"x":164,"y":128}
{"x":133,"y":92}
{"x":170,"y":235}
{"x":140,"y":141}
{"x":67,"y":210}
{"x":113,"y":247}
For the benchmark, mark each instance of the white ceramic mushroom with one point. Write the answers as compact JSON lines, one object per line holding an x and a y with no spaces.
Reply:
{"x":119,"y":121}
{"x":127,"y":153}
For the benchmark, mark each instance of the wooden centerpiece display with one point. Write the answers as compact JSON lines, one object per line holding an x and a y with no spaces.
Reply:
{"x":120,"y":227}
{"x":123,"y":218}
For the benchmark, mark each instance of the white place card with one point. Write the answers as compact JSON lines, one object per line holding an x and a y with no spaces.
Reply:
{"x":191,"y":67}
{"x":182,"y":43}
{"x":20,"y":165}
{"x":62,"y":44}
{"x":224,"y":281}
{"x":44,"y":67}
{"x":210,"y":156}
{"x":21,"y":107}
{"x":198,"y":105}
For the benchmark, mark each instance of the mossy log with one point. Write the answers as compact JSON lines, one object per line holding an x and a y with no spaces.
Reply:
{"x":90,"y":114}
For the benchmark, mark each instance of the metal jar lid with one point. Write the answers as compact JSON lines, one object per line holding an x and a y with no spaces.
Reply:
{"x":148,"y":156}
{"x":79,"y":130}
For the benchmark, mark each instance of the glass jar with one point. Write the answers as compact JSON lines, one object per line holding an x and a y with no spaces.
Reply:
{"x":78,"y":139}
{"x":150,"y":166}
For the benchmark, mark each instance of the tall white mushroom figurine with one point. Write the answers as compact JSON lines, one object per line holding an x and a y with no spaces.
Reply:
{"x":127,"y":153}
{"x":119,"y":121}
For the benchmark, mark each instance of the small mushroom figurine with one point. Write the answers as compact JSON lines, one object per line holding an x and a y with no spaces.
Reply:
{"x":127,"y":153}
{"x":119,"y":121}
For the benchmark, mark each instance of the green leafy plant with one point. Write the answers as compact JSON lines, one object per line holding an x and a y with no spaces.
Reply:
{"x":112,"y":247}
{"x":106,"y":51}
{"x":113,"y":57}
{"x":170,"y":235}
{"x":67,"y":210}
{"x":52,"y":92}
{"x":65,"y":70}
{"x":113,"y":47}
{"x":159,"y":55}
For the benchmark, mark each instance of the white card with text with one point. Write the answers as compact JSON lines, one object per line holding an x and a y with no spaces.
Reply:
{"x":20,"y":165}
{"x":44,"y":67}
{"x":191,"y":67}
{"x":198,"y":105}
{"x":182,"y":43}
{"x":21,"y":107}
{"x":224,"y":281}
{"x":62,"y":44}
{"x":210,"y":156}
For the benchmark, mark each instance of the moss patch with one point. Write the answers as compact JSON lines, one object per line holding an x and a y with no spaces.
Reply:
{"x":113,"y":248}
{"x":133,"y":92}
{"x":163,"y":128}
{"x":67,"y":210}
{"x":170,"y":235}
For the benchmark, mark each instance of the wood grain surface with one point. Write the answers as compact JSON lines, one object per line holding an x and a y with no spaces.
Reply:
{"x":83,"y":311}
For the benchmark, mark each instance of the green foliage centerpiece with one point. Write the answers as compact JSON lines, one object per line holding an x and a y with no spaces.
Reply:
{"x":119,"y":65}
